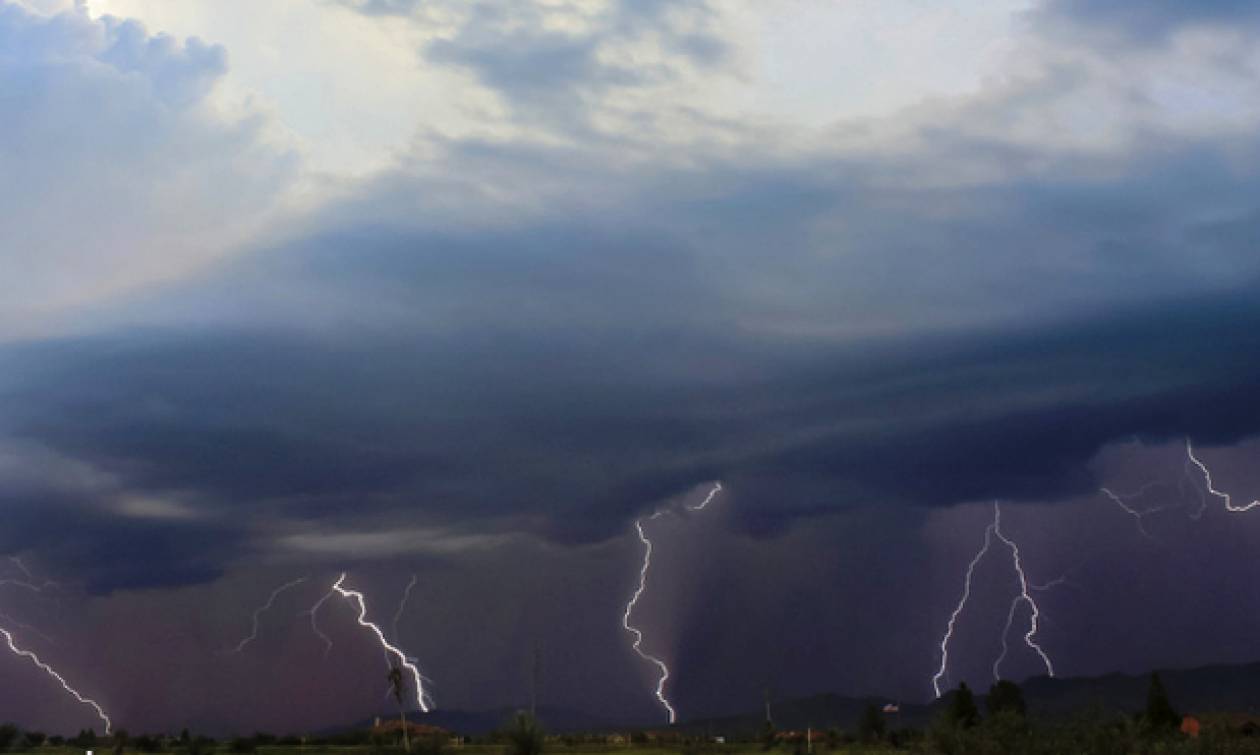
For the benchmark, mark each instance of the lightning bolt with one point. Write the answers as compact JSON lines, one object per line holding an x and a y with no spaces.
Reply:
{"x":7,"y":619}
{"x":1023,"y":597}
{"x":994,"y":530}
{"x":35,"y":659}
{"x":393,"y":629}
{"x":1138,"y":515}
{"x":393,"y":625}
{"x":962,"y":603}
{"x":1192,"y":464}
{"x":637,"y":644}
{"x":328,"y":643}
{"x":28,"y":585}
{"x":258,"y":612}
{"x":28,"y":582}
{"x":402,"y":605}
{"x":1207,"y":480}
{"x":16,"y":561}
{"x":1186,"y":480}
{"x":717,"y":488}
{"x":638,"y":634}
{"x":421,"y":699}
{"x":1047,"y":586}
{"x":1010,"y":620}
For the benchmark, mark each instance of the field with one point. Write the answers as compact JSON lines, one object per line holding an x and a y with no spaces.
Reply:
{"x":488,"y":749}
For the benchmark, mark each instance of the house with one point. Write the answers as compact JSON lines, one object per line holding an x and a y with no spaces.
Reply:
{"x":391,"y":728}
{"x":1190,"y":726}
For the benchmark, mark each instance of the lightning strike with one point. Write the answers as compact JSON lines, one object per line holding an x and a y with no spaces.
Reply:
{"x":1207,"y":481}
{"x":1187,"y":480}
{"x":994,"y":530}
{"x":31,"y":586}
{"x":1047,"y":586}
{"x":637,"y":644}
{"x":638,"y":634}
{"x":328,"y":643}
{"x":962,"y":603}
{"x":17,"y":561}
{"x":717,"y":488}
{"x":28,"y":581}
{"x":9,"y":620}
{"x":1024,"y":596}
{"x":421,"y":698}
{"x":1006,"y":630}
{"x":258,"y":612}
{"x":1138,"y":515}
{"x":393,"y":624}
{"x":402,"y":606}
{"x":49,"y":670}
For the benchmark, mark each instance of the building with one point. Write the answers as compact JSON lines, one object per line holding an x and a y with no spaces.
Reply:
{"x":1190,"y":726}
{"x":391,"y":728}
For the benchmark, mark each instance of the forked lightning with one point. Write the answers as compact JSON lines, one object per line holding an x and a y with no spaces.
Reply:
{"x":994,"y":530}
{"x":422,"y":700}
{"x":1207,"y":481}
{"x":258,"y":612}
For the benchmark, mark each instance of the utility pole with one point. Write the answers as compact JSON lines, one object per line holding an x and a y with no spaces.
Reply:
{"x":766,"y":695}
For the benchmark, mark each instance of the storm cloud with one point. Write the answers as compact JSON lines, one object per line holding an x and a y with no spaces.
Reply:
{"x":483,"y":360}
{"x":560,"y":375}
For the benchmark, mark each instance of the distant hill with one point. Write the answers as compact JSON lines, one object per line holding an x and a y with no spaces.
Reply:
{"x":1234,"y":688}
{"x":1221,"y":687}
{"x":554,"y":720}
{"x":817,"y":712}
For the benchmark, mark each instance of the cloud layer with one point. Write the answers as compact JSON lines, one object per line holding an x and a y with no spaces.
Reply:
{"x":117,"y":174}
{"x":490,"y":357}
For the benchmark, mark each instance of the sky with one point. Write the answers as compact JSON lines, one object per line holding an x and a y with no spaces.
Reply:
{"x":461,"y":290}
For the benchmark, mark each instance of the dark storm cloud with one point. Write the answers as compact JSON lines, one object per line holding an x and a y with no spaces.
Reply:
{"x":99,"y":551}
{"x":961,"y":317}
{"x":509,"y":430}
{"x":1151,"y":21}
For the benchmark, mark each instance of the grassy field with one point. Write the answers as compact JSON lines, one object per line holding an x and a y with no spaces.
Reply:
{"x":493,"y":749}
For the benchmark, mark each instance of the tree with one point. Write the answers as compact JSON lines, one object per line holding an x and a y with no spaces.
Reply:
{"x":769,"y":737}
{"x":871,"y":726}
{"x":243,"y":745}
{"x":1006,"y":697}
{"x":525,"y":737}
{"x":35,"y":738}
{"x":120,"y":741}
{"x":1159,"y":712}
{"x":962,"y":710}
{"x":8,"y":735}
{"x":395,"y":677}
{"x":85,"y":740}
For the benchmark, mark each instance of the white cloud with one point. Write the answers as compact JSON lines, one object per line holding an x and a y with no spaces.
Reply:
{"x":116,"y":172}
{"x":391,"y":542}
{"x":153,"y":507}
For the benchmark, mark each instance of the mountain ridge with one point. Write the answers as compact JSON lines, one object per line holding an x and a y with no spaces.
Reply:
{"x":1201,"y":689}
